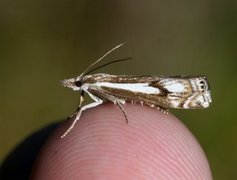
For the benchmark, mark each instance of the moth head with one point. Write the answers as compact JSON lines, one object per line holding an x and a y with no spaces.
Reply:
{"x":74,"y":83}
{"x":202,"y":96}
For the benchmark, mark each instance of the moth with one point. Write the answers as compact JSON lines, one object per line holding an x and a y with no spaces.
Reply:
{"x":161,"y":92}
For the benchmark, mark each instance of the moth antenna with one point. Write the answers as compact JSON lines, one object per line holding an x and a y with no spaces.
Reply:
{"x":106,"y":64}
{"x":98,"y":60}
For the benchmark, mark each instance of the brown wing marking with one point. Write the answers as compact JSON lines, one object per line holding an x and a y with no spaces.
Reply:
{"x":156,"y":84}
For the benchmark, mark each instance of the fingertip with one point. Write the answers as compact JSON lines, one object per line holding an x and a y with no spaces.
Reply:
{"x":153,"y":145}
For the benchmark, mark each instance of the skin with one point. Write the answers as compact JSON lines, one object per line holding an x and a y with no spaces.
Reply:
{"x":153,"y":145}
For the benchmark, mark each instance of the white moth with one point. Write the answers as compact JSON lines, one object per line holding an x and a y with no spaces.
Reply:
{"x":161,"y":92}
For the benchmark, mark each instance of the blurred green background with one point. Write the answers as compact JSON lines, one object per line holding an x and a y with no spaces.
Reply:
{"x":45,"y":41}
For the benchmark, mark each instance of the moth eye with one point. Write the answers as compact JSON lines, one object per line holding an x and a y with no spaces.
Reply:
{"x":78,"y":83}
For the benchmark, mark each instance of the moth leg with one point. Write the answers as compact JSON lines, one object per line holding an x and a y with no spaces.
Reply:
{"x":81,"y":100}
{"x":113,"y":99}
{"x":120,"y":103}
{"x":97,"y":102}
{"x":124,"y":113}
{"x":78,"y":108}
